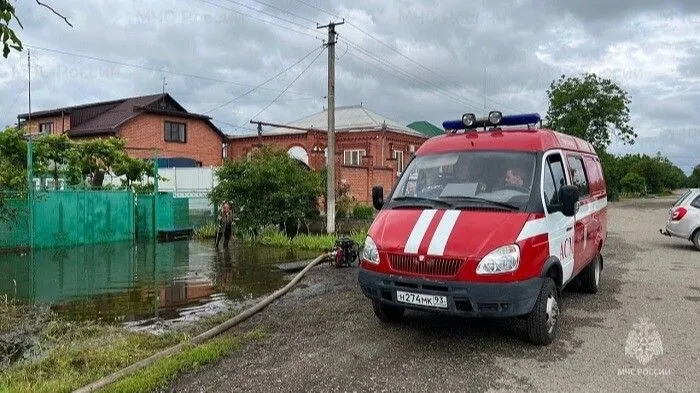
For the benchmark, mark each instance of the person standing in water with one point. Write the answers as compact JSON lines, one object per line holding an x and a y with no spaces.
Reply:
{"x":225,"y":221}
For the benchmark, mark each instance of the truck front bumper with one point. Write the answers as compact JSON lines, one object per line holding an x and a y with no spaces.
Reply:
{"x":463,"y":298}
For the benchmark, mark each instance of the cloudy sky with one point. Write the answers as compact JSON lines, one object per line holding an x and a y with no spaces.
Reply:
{"x":408,"y":60}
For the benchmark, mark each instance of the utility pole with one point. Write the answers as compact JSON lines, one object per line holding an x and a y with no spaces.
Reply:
{"x":330,"y":160}
{"x":29,"y":69}
{"x":30,"y":160}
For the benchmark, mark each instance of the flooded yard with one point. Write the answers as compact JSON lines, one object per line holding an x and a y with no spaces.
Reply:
{"x":143,"y":284}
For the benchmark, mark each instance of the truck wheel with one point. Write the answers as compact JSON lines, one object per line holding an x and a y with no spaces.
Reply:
{"x":696,"y":239}
{"x":387,"y":313}
{"x":542,"y":320}
{"x":590,"y":278}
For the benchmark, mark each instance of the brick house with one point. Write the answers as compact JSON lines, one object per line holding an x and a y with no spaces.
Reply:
{"x":370,"y":148}
{"x":145,"y":123}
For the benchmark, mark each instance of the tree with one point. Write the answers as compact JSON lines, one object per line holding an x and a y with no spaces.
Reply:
{"x":51,"y":155}
{"x":133,"y":169}
{"x":634,"y":183}
{"x":269,"y":189}
{"x":93,"y":159}
{"x":7,"y":33}
{"x":694,"y":178}
{"x":592,"y":108}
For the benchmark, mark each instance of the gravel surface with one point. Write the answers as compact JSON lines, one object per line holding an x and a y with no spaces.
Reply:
{"x":325,"y":337}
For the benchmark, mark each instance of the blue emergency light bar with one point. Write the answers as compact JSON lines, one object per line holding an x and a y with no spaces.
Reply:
{"x":495,"y":118}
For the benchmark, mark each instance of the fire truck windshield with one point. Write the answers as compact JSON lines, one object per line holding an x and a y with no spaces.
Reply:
{"x":504,"y":178}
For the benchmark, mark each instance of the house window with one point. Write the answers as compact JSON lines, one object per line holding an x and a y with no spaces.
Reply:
{"x":398,"y":155}
{"x":175,"y":132}
{"x":353,"y":157}
{"x":224,"y":150}
{"x":46,"y":128}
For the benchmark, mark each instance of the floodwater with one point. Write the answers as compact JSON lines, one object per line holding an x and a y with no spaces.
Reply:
{"x":133,"y":283}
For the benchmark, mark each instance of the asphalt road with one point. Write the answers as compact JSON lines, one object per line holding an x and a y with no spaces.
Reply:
{"x":324,"y":336}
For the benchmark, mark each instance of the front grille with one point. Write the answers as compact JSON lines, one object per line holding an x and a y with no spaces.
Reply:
{"x":431,"y":266}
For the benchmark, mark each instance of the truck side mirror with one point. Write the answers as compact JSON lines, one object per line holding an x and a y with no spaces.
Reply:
{"x":568,"y":197}
{"x":378,"y":197}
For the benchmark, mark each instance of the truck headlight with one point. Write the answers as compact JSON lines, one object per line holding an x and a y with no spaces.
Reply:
{"x":370,"y":252}
{"x":501,"y":260}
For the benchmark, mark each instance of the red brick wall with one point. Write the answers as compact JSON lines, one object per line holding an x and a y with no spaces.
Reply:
{"x":378,"y":167}
{"x":240,"y":147}
{"x":147,"y":131}
{"x":58,"y":126}
{"x":361,"y":179}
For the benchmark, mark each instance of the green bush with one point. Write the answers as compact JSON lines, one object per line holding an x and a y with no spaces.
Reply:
{"x":633,"y":183}
{"x":363,"y":212}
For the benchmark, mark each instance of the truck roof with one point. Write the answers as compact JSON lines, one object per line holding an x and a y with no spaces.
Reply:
{"x":515,"y":139}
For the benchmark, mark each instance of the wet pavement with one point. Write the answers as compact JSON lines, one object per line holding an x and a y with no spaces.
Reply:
{"x":328,"y":339}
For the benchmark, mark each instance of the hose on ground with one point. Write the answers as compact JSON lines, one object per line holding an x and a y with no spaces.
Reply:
{"x":213,"y":332}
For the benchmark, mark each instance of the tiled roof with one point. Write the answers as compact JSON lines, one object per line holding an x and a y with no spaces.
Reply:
{"x":105,"y":117}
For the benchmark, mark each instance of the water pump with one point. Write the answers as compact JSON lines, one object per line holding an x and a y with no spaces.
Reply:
{"x":345,"y":253}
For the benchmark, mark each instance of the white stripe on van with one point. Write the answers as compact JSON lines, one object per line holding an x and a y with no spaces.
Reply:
{"x":542,"y":226}
{"x":418,"y":232}
{"x":443,"y":232}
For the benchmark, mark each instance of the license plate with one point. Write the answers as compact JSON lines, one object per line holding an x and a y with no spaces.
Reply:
{"x":421,"y":299}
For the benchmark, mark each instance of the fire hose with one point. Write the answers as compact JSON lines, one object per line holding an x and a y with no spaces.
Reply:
{"x":215,"y":331}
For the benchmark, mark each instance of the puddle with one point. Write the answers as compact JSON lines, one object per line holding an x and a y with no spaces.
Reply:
{"x":144,"y":286}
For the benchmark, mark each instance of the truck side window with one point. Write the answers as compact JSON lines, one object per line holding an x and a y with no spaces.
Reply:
{"x":578,"y":175}
{"x":554,"y":179}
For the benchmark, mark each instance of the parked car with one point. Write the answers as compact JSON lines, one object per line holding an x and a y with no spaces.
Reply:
{"x":684,"y":218}
{"x":490,"y":222}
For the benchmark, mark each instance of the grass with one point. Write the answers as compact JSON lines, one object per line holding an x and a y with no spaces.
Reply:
{"x":276,"y":238}
{"x":190,"y":360}
{"x":206,"y":231}
{"x":78,"y":354}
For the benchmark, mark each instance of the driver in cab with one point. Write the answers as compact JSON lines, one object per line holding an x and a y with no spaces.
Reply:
{"x":514,"y":177}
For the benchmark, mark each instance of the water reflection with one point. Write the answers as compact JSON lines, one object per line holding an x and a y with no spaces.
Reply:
{"x":134,"y":282}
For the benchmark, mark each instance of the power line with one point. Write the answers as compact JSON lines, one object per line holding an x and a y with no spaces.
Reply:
{"x":233,"y":125}
{"x":267,"y":13}
{"x":285,"y":11}
{"x":290,"y":84}
{"x":412,"y":78}
{"x":147,"y":68}
{"x":319,"y":9}
{"x":391,"y":48}
{"x":404,"y":76}
{"x":264,"y":20}
{"x":263,"y":83}
{"x":9,"y":108}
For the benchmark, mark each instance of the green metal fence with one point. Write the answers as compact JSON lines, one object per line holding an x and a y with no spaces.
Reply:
{"x":67,"y":218}
{"x":171,"y":213}
{"x":14,"y":221}
{"x":78,"y":217}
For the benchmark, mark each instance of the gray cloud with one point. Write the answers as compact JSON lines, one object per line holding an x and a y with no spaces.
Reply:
{"x":501,"y":55}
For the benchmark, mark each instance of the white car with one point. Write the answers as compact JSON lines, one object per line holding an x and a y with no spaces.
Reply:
{"x":684,"y":218}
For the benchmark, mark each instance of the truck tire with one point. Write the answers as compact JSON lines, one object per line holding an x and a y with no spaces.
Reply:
{"x":387,"y":313}
{"x":696,"y":239}
{"x":590,"y":277}
{"x":542,"y":321}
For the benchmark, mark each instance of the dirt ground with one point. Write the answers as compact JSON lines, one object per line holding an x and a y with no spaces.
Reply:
{"x":324,"y":336}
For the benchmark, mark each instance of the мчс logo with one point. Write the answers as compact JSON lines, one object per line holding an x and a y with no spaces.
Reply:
{"x":643,"y":342}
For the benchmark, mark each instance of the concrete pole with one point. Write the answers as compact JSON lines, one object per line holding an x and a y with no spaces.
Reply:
{"x":330,"y":159}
